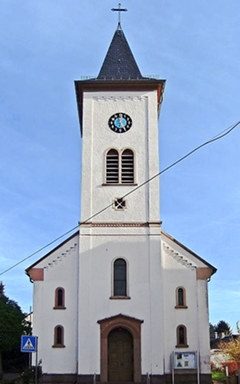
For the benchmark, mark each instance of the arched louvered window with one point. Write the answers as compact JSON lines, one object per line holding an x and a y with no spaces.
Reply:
{"x":181,"y":336}
{"x":58,"y":336}
{"x":180,"y":297}
{"x":120,"y":167}
{"x":120,"y":278}
{"x":112,"y":167}
{"x":59,"y":298}
{"x":127,"y":167}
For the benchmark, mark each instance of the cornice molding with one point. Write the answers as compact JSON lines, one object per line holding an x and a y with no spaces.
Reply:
{"x":179,"y":258}
{"x":121,"y":98}
{"x":121,"y":224}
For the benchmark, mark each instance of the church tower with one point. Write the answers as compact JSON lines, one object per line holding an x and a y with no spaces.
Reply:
{"x":121,"y":301}
{"x":119,"y":247}
{"x":119,"y":123}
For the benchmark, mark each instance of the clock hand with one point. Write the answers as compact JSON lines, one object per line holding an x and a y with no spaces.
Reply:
{"x":122,"y":123}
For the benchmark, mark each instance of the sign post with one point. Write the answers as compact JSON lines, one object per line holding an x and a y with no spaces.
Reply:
{"x":29,"y":344}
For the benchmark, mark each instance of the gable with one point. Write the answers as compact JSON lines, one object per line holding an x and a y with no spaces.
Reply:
{"x":186,"y":257}
{"x":56,"y":255}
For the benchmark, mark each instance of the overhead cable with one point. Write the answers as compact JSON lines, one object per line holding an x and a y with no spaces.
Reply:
{"x":210,"y":141}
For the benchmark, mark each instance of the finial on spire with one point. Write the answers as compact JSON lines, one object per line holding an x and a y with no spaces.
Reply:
{"x":119,"y":10}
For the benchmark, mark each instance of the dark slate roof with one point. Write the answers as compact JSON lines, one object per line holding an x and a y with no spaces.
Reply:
{"x":119,"y":63}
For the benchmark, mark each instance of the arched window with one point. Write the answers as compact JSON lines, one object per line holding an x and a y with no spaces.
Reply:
{"x":120,"y":278}
{"x":127,"y":171}
{"x":181,"y":297}
{"x":181,"y":336}
{"x":112,"y":167}
{"x":120,"y":167}
{"x":58,"y":336}
{"x":59,"y":298}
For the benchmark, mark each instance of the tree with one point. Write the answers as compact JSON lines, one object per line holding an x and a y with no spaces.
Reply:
{"x":223,"y":327}
{"x":238,"y":326}
{"x":232,"y":348}
{"x":212,"y":330}
{"x":12,"y":325}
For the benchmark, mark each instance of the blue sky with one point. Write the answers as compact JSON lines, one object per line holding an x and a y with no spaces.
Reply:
{"x":46,"y":45}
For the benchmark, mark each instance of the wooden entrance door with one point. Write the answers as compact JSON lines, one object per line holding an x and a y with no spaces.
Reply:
{"x":120,"y":355}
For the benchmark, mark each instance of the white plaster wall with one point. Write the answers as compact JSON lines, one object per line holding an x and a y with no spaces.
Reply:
{"x":153,"y":275}
{"x":144,"y":288}
{"x":203,"y":324}
{"x":176,"y":275}
{"x":142,"y":138}
{"x":195,"y":317}
{"x":62,"y":272}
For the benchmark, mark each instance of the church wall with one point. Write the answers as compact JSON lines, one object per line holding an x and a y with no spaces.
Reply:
{"x":203,"y":321}
{"x":142,"y":138}
{"x":61,"y":273}
{"x":143,"y":278}
{"x":194,"y":317}
{"x":176,"y":275}
{"x":154,"y":358}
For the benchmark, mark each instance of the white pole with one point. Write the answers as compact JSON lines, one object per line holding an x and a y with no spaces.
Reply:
{"x":227,"y":371}
{"x":36,"y":363}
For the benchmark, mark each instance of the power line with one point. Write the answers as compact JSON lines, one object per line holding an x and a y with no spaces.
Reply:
{"x":215,"y":138}
{"x":39,"y":250}
{"x":210,"y":141}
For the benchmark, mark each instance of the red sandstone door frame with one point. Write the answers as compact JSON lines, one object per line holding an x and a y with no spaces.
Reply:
{"x":134,"y":327}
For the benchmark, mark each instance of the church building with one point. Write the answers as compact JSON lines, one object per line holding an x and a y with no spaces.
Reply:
{"x":120,"y":300}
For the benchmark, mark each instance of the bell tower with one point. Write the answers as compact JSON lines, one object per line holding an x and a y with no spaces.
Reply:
{"x":118,"y":113}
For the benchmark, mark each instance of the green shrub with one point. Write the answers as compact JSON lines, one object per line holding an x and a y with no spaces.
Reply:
{"x":218,"y":376}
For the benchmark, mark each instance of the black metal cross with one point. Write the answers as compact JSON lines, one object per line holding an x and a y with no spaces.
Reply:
{"x":119,"y":10}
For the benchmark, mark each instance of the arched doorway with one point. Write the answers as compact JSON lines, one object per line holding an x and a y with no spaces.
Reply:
{"x":120,"y":333}
{"x":120,"y":355}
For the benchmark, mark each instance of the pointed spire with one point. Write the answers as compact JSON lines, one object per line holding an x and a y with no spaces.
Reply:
{"x":119,"y":63}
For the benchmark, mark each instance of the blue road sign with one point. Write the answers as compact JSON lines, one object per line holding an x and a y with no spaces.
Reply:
{"x":28,"y":343}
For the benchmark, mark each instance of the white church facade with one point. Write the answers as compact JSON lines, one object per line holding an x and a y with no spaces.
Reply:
{"x":120,"y":300}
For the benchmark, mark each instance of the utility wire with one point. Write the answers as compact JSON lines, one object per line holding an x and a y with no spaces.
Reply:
{"x":219,"y":136}
{"x":39,"y":250}
{"x":210,"y":141}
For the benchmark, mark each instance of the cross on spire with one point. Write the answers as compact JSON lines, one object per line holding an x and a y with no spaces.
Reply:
{"x":119,"y":10}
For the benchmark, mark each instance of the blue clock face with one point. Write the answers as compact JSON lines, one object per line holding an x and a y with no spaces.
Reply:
{"x":120,"y":122}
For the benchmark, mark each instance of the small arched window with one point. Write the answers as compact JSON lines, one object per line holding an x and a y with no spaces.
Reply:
{"x":59,"y":298}
{"x":181,"y":336}
{"x":120,"y":278}
{"x":181,"y":297}
{"x":127,"y":171}
{"x":112,"y":167}
{"x":58,"y":336}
